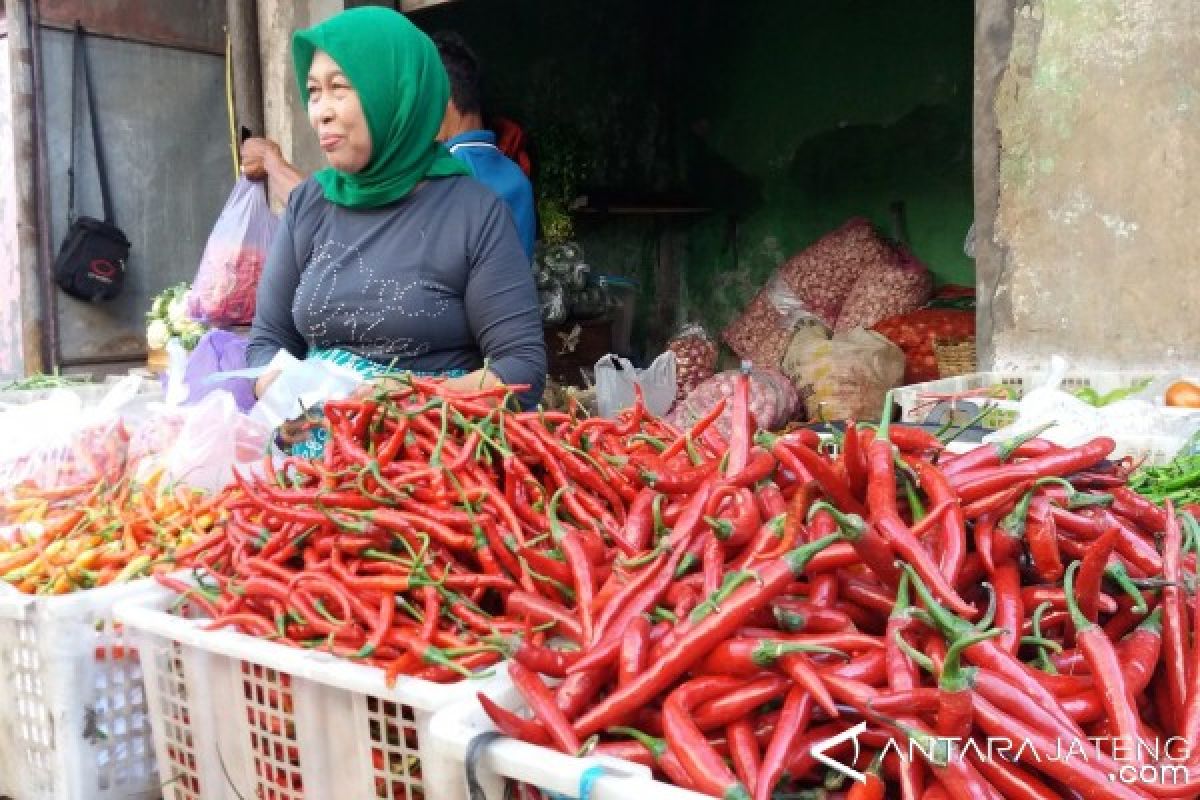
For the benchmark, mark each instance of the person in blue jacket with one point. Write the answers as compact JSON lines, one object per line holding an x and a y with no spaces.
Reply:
{"x":462,"y":132}
{"x":465,"y":137}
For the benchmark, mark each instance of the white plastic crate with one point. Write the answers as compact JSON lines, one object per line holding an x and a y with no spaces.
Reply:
{"x":918,"y":401}
{"x":240,"y":718}
{"x":149,"y":389}
{"x":504,"y":761}
{"x":73,"y":722}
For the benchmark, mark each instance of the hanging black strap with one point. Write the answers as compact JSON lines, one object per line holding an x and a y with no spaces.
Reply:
{"x":81,"y":64}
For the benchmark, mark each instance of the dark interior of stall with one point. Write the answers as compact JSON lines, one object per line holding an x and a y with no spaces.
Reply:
{"x":692,"y":146}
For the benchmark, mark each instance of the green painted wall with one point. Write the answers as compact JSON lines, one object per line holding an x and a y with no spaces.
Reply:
{"x":786,"y":117}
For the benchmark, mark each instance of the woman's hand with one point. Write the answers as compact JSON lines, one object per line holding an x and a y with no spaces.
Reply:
{"x":264,"y":382}
{"x":259,"y":158}
{"x":474,"y":381}
{"x":479,"y":379}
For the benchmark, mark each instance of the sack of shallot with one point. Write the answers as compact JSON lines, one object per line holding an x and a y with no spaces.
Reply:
{"x":695,"y":357}
{"x":773,"y":401}
{"x":887,"y":290}
{"x":822,"y":275}
{"x":762,"y":332}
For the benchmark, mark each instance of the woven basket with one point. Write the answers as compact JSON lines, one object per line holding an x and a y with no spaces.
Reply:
{"x":954,"y":356}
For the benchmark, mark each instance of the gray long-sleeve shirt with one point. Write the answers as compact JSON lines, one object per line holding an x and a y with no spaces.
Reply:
{"x":435,"y":282}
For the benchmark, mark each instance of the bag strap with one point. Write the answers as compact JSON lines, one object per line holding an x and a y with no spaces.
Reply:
{"x":81,"y":63}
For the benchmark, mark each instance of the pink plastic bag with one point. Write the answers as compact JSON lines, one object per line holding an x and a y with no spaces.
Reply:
{"x":227,"y":280}
{"x":773,"y":401}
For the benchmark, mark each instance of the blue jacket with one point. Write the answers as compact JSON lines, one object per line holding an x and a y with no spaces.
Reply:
{"x":477,"y":149}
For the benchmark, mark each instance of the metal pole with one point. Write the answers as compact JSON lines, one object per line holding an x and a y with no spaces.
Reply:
{"x":242,"y":19}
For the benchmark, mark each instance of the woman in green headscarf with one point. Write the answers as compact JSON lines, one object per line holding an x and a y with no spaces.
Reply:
{"x":393,"y":258}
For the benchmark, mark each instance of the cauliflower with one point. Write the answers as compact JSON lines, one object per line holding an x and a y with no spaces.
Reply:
{"x":157,"y":334}
{"x":177,"y":313}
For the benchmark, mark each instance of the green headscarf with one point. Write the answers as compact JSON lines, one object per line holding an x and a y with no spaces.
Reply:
{"x":403,"y":88}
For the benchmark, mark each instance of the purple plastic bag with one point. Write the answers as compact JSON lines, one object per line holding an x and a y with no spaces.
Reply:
{"x":219,"y":351}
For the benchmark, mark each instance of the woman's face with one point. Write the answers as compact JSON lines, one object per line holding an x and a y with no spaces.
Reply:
{"x":337,"y":116}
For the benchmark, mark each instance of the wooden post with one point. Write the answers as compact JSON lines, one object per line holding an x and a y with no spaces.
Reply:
{"x":36,"y":324}
{"x":242,"y":19}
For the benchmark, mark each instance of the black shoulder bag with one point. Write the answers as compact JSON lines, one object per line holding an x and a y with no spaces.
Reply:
{"x":91,"y":262}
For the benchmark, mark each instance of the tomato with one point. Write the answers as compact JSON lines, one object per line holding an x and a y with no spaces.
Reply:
{"x":1183,"y":394}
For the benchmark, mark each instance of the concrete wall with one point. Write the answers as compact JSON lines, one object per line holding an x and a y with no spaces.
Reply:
{"x":1089,"y":112}
{"x":166,"y":142}
{"x":11,"y":361}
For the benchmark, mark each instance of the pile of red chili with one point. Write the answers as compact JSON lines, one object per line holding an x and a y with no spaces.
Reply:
{"x":1018,"y":593}
{"x":715,"y":609}
{"x":436,"y":526}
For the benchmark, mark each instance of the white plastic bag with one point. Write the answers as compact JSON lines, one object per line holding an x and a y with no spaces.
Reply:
{"x":1075,"y":421}
{"x":616,"y":377}
{"x":301,"y":385}
{"x":227,"y":279}
{"x":846,"y":376}
{"x":61,"y":442}
{"x":199,"y":445}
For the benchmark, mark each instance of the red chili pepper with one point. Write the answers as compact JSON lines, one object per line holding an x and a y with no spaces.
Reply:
{"x":881,"y":499}
{"x":833,"y":484}
{"x":666,"y":481}
{"x":1034,"y":596}
{"x":635,"y":644}
{"x":1042,"y":536}
{"x":742,"y":432}
{"x":743,"y":749}
{"x":854,"y":457}
{"x":1091,"y":576}
{"x":1175,"y":615}
{"x":954,"y":531}
{"x":584,"y":580}
{"x":514,"y":725}
{"x":796,"y":616}
{"x":1010,"y":606}
{"x":697,"y":430}
{"x":1191,"y":715}
{"x":1011,"y":780}
{"x":739,"y":528}
{"x":794,"y":718}
{"x":707,"y":769}
{"x":706,"y":634}
{"x":1105,"y":667}
{"x":793,"y":524}
{"x":957,"y":689}
{"x":976,"y":484}
{"x":992,"y":454}
{"x":1089,"y":777}
{"x":760,"y":467}
{"x":544,"y":708}
{"x":1132,"y":505}
{"x":538,"y":610}
{"x":992,"y":658}
{"x":871,"y":787}
{"x":771,"y":502}
{"x":872,"y":548}
{"x":740,"y":702}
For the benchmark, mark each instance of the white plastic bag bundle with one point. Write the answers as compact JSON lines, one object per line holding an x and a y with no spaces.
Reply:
{"x":301,"y":385}
{"x":199,"y":445}
{"x":616,"y":378}
{"x":1075,"y":421}
{"x":61,"y":442}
